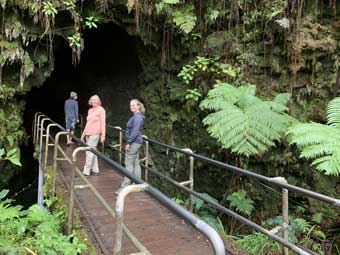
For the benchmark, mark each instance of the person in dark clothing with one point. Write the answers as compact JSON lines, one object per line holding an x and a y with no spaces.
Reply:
{"x":134,"y":141}
{"x":71,"y":114}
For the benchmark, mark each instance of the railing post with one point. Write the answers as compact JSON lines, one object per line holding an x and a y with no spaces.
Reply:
{"x":55,"y":156}
{"x":146,"y":158}
{"x":35,"y":126}
{"x":120,"y":144}
{"x":72,"y":188}
{"x":36,"y":139}
{"x":119,"y":209}
{"x":285,"y":216}
{"x":47,"y":140}
{"x":41,"y":169}
{"x":191,"y":178}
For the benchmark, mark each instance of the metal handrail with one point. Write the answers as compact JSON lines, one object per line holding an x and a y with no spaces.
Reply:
{"x":119,"y":209}
{"x":200,"y":225}
{"x":276,"y":181}
{"x":263,"y":178}
{"x":283,"y":241}
{"x":42,"y":166}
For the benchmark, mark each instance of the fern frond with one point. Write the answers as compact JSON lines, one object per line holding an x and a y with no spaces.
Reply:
{"x":242,"y":122}
{"x":329,"y":165}
{"x":184,"y":18}
{"x":317,"y":150}
{"x":310,"y":134}
{"x":333,"y":113}
{"x":282,"y":98}
{"x":320,"y":142}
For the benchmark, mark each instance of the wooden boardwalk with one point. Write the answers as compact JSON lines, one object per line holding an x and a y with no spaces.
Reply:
{"x":160,"y":230}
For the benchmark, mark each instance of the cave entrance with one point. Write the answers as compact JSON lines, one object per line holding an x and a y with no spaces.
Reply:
{"x":109,"y":67}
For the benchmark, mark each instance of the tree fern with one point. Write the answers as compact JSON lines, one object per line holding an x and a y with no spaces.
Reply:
{"x":184,"y":18}
{"x":319,"y":141}
{"x":241,"y":203}
{"x":243,"y":122}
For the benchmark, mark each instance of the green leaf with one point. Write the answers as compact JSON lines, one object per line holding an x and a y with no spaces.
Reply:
{"x":317,"y":217}
{"x":2,"y":152}
{"x":14,"y":156}
{"x":3,"y":193}
{"x":10,"y":140}
{"x":319,"y":234}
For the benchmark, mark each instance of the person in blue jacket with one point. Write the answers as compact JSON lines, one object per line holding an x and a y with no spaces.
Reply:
{"x":134,"y":141}
{"x":71,"y":115}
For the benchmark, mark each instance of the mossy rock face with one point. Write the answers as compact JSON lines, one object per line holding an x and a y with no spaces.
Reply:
{"x":221,"y":42}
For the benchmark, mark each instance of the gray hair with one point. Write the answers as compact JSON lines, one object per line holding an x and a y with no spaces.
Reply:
{"x":97,"y":97}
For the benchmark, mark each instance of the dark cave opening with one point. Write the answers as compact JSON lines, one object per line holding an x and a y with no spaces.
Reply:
{"x":109,"y":67}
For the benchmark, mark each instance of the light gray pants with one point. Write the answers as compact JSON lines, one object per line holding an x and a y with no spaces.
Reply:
{"x":132,"y":163}
{"x":91,"y":159}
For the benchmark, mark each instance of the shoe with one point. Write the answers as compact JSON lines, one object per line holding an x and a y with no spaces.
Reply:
{"x":86,"y":175}
{"x":95,"y":174}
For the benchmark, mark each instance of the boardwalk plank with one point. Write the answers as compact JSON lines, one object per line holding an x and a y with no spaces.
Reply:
{"x":160,"y":230}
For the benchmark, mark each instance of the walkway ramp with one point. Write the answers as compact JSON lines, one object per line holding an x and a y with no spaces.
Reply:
{"x":156,"y":227}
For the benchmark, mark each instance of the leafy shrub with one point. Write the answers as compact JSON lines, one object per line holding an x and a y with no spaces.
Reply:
{"x":36,"y":229}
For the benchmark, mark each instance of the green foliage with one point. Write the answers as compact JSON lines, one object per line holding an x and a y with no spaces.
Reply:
{"x":319,"y":141}
{"x":297,"y":226}
{"x":91,"y":22}
{"x":300,"y":232}
{"x":13,"y":156}
{"x":11,"y":132}
{"x":200,"y":206}
{"x":204,"y":64}
{"x":208,"y":214}
{"x":184,"y":18}
{"x":258,"y":244}
{"x":74,"y":41}
{"x":49,"y":9}
{"x":241,"y":203}
{"x":193,"y":94}
{"x":69,"y":5}
{"x":243,"y":122}
{"x":161,"y":6}
{"x":35,"y":8}
{"x":205,"y":212}
{"x":36,"y":229}
{"x":178,"y":201}
{"x":317,"y":217}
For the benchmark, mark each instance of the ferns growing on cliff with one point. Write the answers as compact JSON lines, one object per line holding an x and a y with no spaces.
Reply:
{"x":320,"y":142}
{"x":184,"y":18}
{"x":242,"y":122}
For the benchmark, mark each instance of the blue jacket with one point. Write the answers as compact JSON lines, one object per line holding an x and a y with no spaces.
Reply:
{"x":134,"y":127}
{"x":71,"y":108}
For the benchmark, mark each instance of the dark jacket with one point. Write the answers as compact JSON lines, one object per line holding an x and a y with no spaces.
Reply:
{"x":71,"y":109}
{"x":134,"y":127}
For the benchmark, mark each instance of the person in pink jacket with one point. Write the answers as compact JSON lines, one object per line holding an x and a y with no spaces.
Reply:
{"x":93,"y":132}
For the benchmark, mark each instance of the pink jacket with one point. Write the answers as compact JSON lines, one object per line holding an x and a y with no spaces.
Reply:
{"x":96,"y":122}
